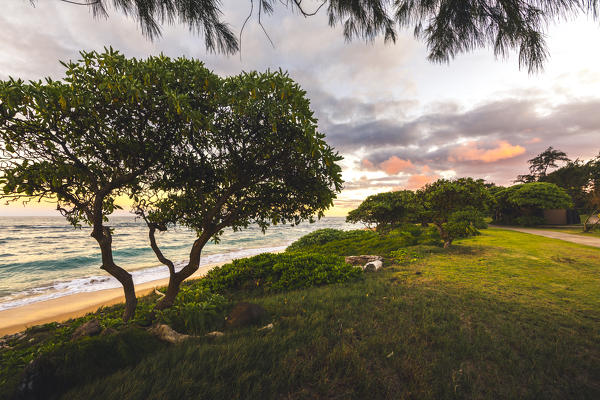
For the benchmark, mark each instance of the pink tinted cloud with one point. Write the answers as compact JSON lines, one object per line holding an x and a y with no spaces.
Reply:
{"x":366,"y":164}
{"x":419,"y":180}
{"x":391,"y":166}
{"x":533,"y":140}
{"x":470,"y":152}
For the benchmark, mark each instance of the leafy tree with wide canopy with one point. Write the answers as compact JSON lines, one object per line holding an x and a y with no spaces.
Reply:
{"x":386,"y":210}
{"x":448,"y":27}
{"x":101,"y":132}
{"x":260,"y":160}
{"x":455,"y":207}
{"x":524,"y":203}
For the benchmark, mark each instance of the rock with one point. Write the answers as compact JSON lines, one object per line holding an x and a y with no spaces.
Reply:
{"x":264,"y":328}
{"x":167,"y":334}
{"x":244,"y":314}
{"x":108,"y":332}
{"x":90,"y":328}
{"x":362,"y":260}
{"x":372,"y":266}
{"x":215,"y":334}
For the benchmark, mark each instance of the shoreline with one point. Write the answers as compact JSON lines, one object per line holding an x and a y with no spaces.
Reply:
{"x":77,"y":305}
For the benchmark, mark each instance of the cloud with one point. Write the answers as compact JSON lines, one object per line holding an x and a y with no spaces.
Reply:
{"x":418,"y":181}
{"x":391,"y":166}
{"x":470,"y":152}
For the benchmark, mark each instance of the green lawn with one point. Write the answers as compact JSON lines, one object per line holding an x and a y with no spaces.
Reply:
{"x":503,"y":315}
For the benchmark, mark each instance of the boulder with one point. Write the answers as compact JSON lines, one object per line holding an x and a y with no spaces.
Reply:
{"x":372,"y":266}
{"x":214,"y":334}
{"x":244,"y":314}
{"x":167,"y":334}
{"x":362,"y":260}
{"x":90,"y":328}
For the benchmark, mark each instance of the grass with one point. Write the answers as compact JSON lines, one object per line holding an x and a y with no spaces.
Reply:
{"x":500,"y":316}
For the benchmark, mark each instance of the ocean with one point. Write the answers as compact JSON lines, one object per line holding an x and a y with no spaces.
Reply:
{"x":42,"y":258}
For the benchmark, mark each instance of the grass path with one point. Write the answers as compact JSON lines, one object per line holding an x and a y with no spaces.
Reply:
{"x":553,"y":234}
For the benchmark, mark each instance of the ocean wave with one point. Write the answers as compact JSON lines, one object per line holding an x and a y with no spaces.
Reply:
{"x":101,"y":282}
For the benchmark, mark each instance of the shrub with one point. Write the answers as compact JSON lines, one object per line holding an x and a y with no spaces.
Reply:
{"x":322,"y":236}
{"x":405,"y":256}
{"x":356,"y":242}
{"x":279,"y":271}
{"x":196,"y":310}
{"x":529,"y":220}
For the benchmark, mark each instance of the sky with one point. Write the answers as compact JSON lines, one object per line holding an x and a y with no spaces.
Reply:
{"x":398,"y":120}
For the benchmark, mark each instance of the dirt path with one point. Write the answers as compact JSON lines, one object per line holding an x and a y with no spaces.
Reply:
{"x":568,"y":237}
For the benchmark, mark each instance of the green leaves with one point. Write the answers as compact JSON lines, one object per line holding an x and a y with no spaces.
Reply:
{"x":105,"y":130}
{"x":529,"y":200}
{"x":256,"y":159}
{"x":386,"y":210}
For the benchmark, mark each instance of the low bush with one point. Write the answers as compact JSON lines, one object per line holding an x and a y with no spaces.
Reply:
{"x":322,"y":236}
{"x":530,"y":220}
{"x":357,"y":242}
{"x":270,"y":271}
{"x":196,"y":310}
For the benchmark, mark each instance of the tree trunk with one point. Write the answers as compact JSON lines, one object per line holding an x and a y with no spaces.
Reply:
{"x":444,"y":235}
{"x":104,"y":238}
{"x":172,"y":290}
{"x":176,"y":278}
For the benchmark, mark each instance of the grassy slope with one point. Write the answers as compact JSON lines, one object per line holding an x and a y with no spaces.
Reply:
{"x":503,"y":315}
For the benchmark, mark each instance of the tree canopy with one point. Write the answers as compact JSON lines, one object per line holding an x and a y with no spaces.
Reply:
{"x":455,"y":207}
{"x":523,"y":204}
{"x":188,"y":147}
{"x":447,"y":27}
{"x":97,"y":134}
{"x":386,"y":210}
{"x":260,"y":160}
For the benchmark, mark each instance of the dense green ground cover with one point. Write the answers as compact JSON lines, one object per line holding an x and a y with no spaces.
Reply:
{"x":501,"y":315}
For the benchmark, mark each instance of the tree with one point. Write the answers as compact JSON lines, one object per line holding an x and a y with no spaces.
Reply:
{"x":260,"y":160}
{"x":574,"y":178}
{"x":524,"y":203}
{"x":593,"y":201}
{"x":455,"y":206}
{"x":538,"y":166}
{"x":448,"y":27}
{"x":386,"y":210}
{"x":102,"y":131}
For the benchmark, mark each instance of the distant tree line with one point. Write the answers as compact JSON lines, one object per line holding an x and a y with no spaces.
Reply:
{"x":579,"y":179}
{"x":457,"y":207}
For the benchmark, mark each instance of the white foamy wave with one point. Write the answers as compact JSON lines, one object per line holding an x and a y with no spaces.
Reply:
{"x":102,"y":282}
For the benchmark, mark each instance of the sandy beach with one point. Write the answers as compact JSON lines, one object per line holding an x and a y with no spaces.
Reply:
{"x":76,"y":305}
